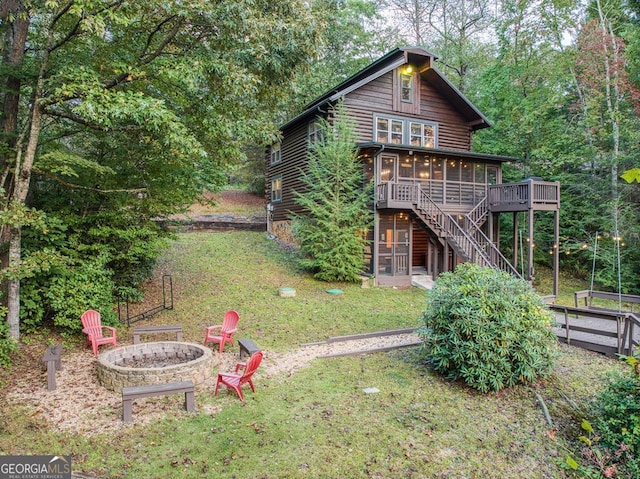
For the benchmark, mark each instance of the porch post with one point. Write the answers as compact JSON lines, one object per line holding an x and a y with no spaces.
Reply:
{"x":556,"y":252}
{"x":515,"y":240}
{"x":530,"y":270}
{"x":376,"y":230}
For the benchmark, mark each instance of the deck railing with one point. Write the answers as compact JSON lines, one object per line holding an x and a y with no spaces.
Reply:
{"x":466,"y":238}
{"x":528,"y":194}
{"x":608,"y":332}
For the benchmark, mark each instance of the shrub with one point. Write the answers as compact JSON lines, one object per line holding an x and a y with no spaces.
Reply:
{"x":616,"y":424}
{"x":487,"y":328}
{"x":86,"y":285}
{"x":7,"y":343}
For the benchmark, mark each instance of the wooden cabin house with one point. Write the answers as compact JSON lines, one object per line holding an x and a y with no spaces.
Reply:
{"x":436,"y":202}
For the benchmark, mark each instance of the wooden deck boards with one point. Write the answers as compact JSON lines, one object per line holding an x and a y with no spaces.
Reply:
{"x":607,"y":332}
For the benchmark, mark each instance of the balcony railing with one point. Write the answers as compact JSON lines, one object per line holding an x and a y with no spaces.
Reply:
{"x":530,"y":194}
{"x":467,"y":239}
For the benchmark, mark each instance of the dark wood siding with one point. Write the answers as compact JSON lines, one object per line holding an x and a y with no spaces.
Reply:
{"x":294,"y":156}
{"x":453,"y":131}
{"x":419,"y":242}
{"x":377,"y":97}
{"x":374,"y":97}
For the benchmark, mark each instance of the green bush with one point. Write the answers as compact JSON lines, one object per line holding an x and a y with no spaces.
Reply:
{"x":86,"y":285}
{"x":487,"y":328}
{"x":7,"y":343}
{"x":616,"y":423}
{"x":78,"y":264}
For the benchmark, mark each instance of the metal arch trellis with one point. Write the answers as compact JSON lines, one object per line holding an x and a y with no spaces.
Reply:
{"x":167,"y":303}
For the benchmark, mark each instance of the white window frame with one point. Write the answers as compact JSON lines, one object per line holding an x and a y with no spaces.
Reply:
{"x":422,"y":136}
{"x":276,"y":153}
{"x":406,"y":135}
{"x":406,"y":78}
{"x":314,"y":132}
{"x":276,"y":189}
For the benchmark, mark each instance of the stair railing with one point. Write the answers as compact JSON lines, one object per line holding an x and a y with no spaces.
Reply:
{"x":468,"y":241}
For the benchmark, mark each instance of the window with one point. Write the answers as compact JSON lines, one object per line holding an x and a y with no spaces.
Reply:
{"x":405,"y":167}
{"x":315,"y":132}
{"x":397,"y":130}
{"x":276,"y":189}
{"x":480,"y":175}
{"x":382,"y":129}
{"x":466,"y":171}
{"x":400,"y":131}
{"x":406,"y":88}
{"x":275,"y":153}
{"x":390,"y":131}
{"x":422,"y":134}
{"x":453,"y":170}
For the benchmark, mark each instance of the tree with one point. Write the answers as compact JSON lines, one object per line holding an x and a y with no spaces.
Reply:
{"x":608,"y":93}
{"x":355,"y":35}
{"x":135,"y":105}
{"x":332,"y":232}
{"x":456,"y":30}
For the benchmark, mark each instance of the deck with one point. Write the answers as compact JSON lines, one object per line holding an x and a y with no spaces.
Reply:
{"x":607,"y":332}
{"x":523,"y":196}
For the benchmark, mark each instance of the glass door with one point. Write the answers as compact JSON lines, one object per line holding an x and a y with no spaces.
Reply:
{"x":388,"y":166}
{"x":394,"y":244}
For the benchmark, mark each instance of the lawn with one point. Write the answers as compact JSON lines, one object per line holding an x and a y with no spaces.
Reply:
{"x":317,"y":422}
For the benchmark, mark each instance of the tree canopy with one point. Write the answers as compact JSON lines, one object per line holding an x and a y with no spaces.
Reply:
{"x":115,"y":113}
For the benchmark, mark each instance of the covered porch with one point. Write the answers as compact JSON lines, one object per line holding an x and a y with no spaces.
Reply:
{"x":414,"y":233}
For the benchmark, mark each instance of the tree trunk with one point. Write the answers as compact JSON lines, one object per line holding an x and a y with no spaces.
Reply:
{"x":611,"y":92}
{"x":23,"y":168}
{"x":14,"y":38}
{"x":13,"y":285}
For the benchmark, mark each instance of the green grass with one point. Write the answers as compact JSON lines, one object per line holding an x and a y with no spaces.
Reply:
{"x":243,"y":271}
{"x":318,"y":422}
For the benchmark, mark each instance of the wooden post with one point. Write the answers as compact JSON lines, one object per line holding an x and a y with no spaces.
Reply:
{"x":515,"y":240}
{"x":530,"y":270}
{"x":556,"y":253}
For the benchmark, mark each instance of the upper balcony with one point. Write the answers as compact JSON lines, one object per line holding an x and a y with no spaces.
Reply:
{"x":527,"y":195}
{"x":531,"y":194}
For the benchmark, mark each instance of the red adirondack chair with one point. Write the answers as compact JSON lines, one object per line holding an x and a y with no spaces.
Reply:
{"x":93,"y":328}
{"x":223,"y":333}
{"x":235,"y":380}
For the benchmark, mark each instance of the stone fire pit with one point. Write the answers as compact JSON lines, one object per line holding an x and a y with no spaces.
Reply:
{"x":154,"y":363}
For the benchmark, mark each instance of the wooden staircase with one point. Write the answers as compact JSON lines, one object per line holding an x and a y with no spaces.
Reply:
{"x":466,"y":237}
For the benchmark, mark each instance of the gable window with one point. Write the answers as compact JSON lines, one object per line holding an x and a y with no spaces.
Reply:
{"x":276,"y":156}
{"x":401,"y":131}
{"x":406,"y":88}
{"x":315,"y":132}
{"x":276,"y":189}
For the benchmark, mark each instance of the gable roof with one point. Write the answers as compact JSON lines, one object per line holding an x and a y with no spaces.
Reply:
{"x":423,"y":60}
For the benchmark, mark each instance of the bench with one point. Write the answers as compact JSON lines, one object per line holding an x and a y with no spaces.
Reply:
{"x":167,"y":328}
{"x":137,"y":392}
{"x":588,"y":296}
{"x":52,"y":358}
{"x":247,"y":347}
